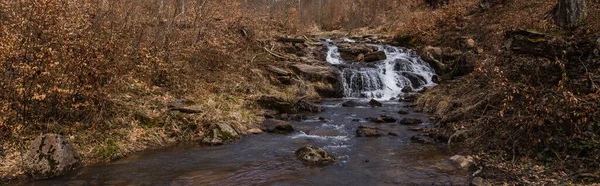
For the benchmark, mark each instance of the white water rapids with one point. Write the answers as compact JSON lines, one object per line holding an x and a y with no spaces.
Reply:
{"x":382,"y":79}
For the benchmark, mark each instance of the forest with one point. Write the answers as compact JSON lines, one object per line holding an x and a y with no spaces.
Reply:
{"x":224,"y":92}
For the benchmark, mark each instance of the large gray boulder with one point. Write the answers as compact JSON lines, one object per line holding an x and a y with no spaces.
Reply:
{"x":220,"y":134}
{"x":51,"y":155}
{"x":314,"y":156}
{"x":277,"y":126}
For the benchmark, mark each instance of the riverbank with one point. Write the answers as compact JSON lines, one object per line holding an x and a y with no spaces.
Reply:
{"x":531,"y":116}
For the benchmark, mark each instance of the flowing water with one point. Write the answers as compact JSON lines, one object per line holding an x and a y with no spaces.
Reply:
{"x":268,"y":159}
{"x":382,"y":79}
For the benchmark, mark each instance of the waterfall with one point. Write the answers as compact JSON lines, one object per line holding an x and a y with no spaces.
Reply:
{"x":383,"y":79}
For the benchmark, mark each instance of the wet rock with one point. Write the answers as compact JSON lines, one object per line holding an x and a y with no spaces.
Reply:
{"x":392,"y":134}
{"x":435,"y":79}
{"x":220,"y":134}
{"x":375,"y":103}
{"x":462,"y":162}
{"x":407,"y":89}
{"x":254,"y":131}
{"x":388,"y":119}
{"x":278,"y":71}
{"x":375,"y":56}
{"x":350,"y":52}
{"x":376,"y":119}
{"x":322,"y":119}
{"x":402,"y":112}
{"x":352,"y":103}
{"x":422,"y":140}
{"x":409,"y":98}
{"x":410,"y":121}
{"x":277,"y":126}
{"x":306,"y":105}
{"x":478,"y":181}
{"x":314,"y":156}
{"x":51,"y":155}
{"x":355,"y":120}
{"x":276,"y":103}
{"x":364,"y":131}
{"x":416,"y":80}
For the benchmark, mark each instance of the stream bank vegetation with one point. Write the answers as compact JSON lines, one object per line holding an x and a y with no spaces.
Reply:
{"x":116,"y":77}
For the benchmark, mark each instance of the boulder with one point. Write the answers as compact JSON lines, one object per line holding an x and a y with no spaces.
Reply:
{"x":276,"y":103}
{"x":375,"y":56}
{"x":364,"y":131}
{"x":534,"y":43}
{"x":416,"y":80}
{"x":314,"y":156}
{"x":407,"y":89}
{"x":220,"y":134}
{"x":422,"y":140}
{"x":351,"y":52}
{"x":462,"y":162}
{"x":328,"y":79}
{"x":277,"y":126}
{"x":375,"y":103}
{"x":410,"y":121}
{"x":383,"y":119}
{"x":458,"y":137}
{"x":353,"y":103}
{"x":51,"y":155}
{"x":306,"y":105}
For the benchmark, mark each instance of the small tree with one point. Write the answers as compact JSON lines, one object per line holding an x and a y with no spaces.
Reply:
{"x":569,"y":13}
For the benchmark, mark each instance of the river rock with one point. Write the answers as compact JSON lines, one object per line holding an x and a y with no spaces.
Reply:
{"x":51,"y":155}
{"x":383,"y":119}
{"x":314,"y":156}
{"x":220,"y":134}
{"x":407,"y":89}
{"x":352,"y":103}
{"x":350,"y":52}
{"x":375,"y":103}
{"x":422,"y":140}
{"x":364,"y":131}
{"x":410,"y":121}
{"x":375,"y":56}
{"x":402,"y":112}
{"x":462,"y":161}
{"x":277,"y":126}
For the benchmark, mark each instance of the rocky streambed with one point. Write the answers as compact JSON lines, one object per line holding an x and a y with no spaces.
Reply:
{"x":366,"y":151}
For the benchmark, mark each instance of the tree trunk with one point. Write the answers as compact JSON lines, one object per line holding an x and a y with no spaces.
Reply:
{"x":569,"y":13}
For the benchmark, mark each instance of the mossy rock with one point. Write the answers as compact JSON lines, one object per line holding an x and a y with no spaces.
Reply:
{"x":221,"y":134}
{"x":314,"y":156}
{"x":51,"y":155}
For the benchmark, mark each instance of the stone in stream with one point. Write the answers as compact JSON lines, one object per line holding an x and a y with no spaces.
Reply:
{"x":314,"y":156}
{"x":375,"y":56}
{"x":364,"y":131}
{"x":220,"y":134}
{"x":410,"y":121}
{"x":462,"y":162}
{"x":383,"y":119}
{"x":402,"y":112}
{"x":277,"y":126}
{"x":51,"y":155}
{"x":352,"y":103}
{"x":375,"y":103}
{"x":254,"y":131}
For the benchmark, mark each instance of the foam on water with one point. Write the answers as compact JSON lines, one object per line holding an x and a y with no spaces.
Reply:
{"x":301,"y":134}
